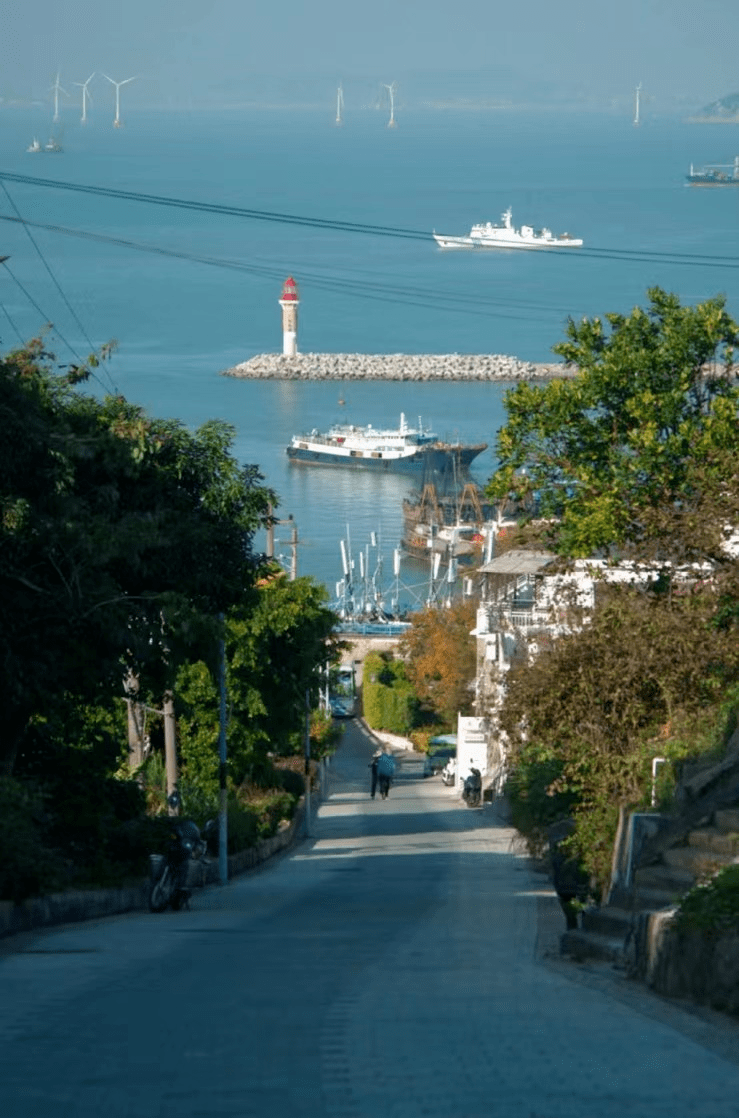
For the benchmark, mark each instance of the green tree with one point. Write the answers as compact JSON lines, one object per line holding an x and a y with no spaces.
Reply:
{"x":121,"y":536}
{"x":276,"y":649}
{"x":654,"y":393}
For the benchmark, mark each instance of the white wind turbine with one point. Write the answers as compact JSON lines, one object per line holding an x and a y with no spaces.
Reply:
{"x":117,"y":121}
{"x":56,"y":89}
{"x":391,"y":90}
{"x":85,"y":97}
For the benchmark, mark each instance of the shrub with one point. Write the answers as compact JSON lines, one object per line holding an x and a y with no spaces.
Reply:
{"x":389,"y":700}
{"x":712,"y":906}
{"x":28,"y":866}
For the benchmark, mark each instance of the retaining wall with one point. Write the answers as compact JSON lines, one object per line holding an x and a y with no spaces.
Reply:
{"x":686,"y":964}
{"x":91,"y":904}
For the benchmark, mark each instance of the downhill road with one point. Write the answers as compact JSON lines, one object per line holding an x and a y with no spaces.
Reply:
{"x":391,"y":966}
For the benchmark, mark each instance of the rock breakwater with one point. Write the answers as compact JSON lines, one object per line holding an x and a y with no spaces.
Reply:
{"x":394,"y":366}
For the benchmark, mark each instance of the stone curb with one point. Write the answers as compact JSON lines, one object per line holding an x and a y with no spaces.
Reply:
{"x":91,"y":904}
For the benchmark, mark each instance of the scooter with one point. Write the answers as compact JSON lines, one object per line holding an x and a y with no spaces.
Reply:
{"x":448,"y":773}
{"x":170,"y":871}
{"x":472,"y":789}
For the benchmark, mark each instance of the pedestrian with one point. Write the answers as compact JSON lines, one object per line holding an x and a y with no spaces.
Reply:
{"x":373,"y":769}
{"x":385,"y":772}
{"x":571,"y":882}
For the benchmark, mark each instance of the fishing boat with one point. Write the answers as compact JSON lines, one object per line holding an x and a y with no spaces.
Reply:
{"x":505,"y":235}
{"x":400,"y":448}
{"x":34,"y":146}
{"x":53,"y":145}
{"x":452,"y":523}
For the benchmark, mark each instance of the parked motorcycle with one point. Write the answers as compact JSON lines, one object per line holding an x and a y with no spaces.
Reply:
{"x":448,"y":773}
{"x":472,"y":788}
{"x":170,"y":871}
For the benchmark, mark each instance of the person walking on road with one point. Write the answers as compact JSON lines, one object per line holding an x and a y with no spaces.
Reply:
{"x":385,"y":772}
{"x":373,"y":768}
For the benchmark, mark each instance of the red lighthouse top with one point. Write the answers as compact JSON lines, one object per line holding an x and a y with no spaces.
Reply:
{"x":289,"y":291}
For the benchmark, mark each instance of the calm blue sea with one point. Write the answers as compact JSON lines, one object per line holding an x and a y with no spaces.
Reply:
{"x":180,"y":322}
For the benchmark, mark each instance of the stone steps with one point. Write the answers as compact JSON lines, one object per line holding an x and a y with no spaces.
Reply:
{"x":605,"y":931}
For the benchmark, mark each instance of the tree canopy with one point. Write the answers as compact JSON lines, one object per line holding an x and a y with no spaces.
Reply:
{"x":120,"y":536}
{"x":440,"y":659}
{"x":654,"y":393}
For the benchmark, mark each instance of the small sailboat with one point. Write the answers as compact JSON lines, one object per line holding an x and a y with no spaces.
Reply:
{"x":34,"y":146}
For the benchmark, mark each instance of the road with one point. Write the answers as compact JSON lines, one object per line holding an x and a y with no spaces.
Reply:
{"x":389,"y":967}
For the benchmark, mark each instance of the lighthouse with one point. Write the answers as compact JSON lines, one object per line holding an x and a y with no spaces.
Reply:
{"x":289,"y":302}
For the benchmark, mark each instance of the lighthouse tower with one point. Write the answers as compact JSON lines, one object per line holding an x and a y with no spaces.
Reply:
{"x":289,"y":302}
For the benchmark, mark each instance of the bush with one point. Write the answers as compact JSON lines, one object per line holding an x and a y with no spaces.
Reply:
{"x":388,"y":698}
{"x":712,"y":906}
{"x":28,"y":866}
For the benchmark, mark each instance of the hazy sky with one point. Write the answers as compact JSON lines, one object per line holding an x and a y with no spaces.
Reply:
{"x":197,"y":48}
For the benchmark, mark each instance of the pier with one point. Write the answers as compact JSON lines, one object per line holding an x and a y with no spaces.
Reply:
{"x":395,"y":366}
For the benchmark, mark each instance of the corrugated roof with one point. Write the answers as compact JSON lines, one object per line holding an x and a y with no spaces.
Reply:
{"x":517,"y":562}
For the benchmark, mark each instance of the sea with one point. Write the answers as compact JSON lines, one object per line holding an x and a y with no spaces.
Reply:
{"x":187,"y":294}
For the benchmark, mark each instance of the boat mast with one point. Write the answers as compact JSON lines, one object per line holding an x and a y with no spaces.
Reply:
{"x":339,"y":105}
{"x":637,"y":91}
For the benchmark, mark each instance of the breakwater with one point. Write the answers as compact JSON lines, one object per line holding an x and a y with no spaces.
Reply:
{"x":394,"y":366}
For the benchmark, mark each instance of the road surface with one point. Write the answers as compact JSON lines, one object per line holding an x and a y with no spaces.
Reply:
{"x":389,"y":967}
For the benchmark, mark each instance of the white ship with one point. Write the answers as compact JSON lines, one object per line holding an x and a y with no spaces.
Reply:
{"x":487,"y":235}
{"x":34,"y":146}
{"x":403,"y":448}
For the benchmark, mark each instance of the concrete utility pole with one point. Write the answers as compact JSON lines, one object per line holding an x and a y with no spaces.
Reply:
{"x":170,"y":751}
{"x":292,"y":542}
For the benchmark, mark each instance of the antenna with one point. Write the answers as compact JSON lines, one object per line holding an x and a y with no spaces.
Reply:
{"x":391,"y":91}
{"x":56,"y":90}
{"x":85,"y":97}
{"x":339,"y":105}
{"x":637,"y":91}
{"x":117,"y":122}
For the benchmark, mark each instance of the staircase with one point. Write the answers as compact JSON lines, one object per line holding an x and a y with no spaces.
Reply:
{"x":606,"y":932}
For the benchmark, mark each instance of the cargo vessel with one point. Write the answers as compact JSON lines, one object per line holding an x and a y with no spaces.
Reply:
{"x":714,"y":174}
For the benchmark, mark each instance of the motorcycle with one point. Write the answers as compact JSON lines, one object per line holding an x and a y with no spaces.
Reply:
{"x":170,"y":871}
{"x":448,"y":773}
{"x":472,"y":788}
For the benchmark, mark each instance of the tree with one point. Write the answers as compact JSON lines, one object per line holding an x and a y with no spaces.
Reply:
{"x":276,"y":649}
{"x":441,"y":659}
{"x":645,"y":677}
{"x":654,"y":394}
{"x":121,"y":537}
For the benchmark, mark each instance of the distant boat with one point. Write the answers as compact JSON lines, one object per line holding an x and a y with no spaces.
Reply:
{"x":34,"y":146}
{"x":53,"y":145}
{"x":714,"y":174}
{"x":488,"y":235}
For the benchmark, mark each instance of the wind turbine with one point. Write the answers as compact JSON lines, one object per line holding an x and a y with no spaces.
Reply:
{"x":85,"y":97}
{"x":391,"y":90}
{"x":56,"y":90}
{"x":339,"y":105}
{"x":117,"y":121}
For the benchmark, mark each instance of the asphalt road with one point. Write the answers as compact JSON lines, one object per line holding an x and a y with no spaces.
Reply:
{"x":391,"y":966}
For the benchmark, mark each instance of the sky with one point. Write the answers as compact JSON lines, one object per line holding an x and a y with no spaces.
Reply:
{"x":237,"y":51}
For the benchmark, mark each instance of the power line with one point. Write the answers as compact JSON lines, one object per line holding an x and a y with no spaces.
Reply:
{"x":58,"y":287}
{"x":364,"y":228}
{"x":370,"y":289}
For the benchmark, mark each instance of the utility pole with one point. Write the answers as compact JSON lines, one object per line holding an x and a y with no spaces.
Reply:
{"x":170,"y":753}
{"x":222,"y":768}
{"x":292,"y":542}
{"x":307,"y":765}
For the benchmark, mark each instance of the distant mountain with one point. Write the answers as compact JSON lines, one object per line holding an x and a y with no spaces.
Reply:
{"x":723,"y":111}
